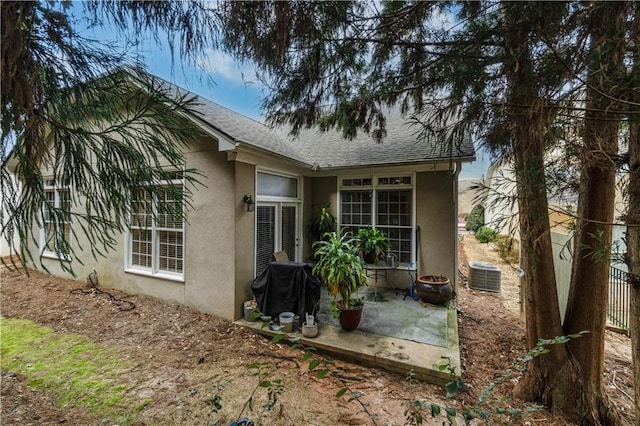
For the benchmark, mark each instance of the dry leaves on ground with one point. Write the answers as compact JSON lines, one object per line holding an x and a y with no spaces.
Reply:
{"x":183,"y":358}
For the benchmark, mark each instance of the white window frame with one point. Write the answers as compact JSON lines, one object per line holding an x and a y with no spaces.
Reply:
{"x":376,"y":187}
{"x":279,"y":199}
{"x":154,"y":270}
{"x":56,"y":189}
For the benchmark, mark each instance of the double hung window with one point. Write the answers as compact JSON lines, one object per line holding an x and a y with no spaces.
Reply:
{"x":156,"y":239}
{"x":56,"y":231}
{"x":382,"y":202}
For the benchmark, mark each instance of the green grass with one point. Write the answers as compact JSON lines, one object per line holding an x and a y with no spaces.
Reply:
{"x":74,"y":369}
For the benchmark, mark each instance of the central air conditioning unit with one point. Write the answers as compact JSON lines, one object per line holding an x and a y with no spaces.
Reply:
{"x":484,"y":276}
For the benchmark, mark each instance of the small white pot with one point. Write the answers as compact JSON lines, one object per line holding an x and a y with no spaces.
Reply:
{"x":309,"y":330}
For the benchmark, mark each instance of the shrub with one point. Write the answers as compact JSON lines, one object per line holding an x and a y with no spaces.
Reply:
{"x":507,"y":248}
{"x":476,"y":218}
{"x":484,"y":234}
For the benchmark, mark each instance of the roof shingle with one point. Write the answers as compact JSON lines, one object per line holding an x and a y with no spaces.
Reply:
{"x":329,"y":149}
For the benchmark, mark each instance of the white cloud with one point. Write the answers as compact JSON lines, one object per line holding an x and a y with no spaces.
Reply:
{"x":441,"y":20}
{"x":226,"y":67}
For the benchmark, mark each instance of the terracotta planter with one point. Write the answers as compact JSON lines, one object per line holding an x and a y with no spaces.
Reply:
{"x":350,"y":318}
{"x":434,"y":289}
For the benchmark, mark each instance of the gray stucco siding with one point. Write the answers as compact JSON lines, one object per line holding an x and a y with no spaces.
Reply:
{"x":437,"y":218}
{"x":209,"y":278}
{"x":210,"y":240}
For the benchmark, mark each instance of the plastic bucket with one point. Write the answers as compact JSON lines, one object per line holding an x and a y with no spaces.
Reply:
{"x":286,"y":320}
{"x":249,"y":308}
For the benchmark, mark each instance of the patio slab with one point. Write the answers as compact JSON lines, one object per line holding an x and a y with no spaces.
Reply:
{"x":390,"y":352}
{"x":390,"y":313}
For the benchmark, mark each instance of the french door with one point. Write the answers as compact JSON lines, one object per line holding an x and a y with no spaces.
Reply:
{"x":276,"y":229}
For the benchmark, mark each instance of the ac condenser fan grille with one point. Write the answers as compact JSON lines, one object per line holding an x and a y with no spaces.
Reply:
{"x":484,"y":276}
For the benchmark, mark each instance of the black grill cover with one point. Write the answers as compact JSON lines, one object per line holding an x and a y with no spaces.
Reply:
{"x":287,"y":287}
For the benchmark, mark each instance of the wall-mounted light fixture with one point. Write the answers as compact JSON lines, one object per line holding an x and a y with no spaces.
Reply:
{"x":248,"y":200}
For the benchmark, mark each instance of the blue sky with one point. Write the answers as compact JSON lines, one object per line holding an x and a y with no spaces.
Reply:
{"x":221,"y":79}
{"x":217,"y":77}
{"x":477,"y":169}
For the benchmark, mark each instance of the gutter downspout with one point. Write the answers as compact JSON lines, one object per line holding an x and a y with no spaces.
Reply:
{"x":456,"y":260}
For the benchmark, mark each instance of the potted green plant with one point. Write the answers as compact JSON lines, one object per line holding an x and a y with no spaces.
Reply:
{"x":342,"y":270}
{"x":321,"y":223}
{"x":372,"y":244}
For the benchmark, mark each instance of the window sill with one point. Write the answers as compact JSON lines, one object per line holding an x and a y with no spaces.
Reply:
{"x":158,"y":275}
{"x":52,"y":255}
{"x":408,"y":267}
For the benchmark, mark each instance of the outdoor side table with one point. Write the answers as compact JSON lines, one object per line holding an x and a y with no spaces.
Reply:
{"x":374,"y":270}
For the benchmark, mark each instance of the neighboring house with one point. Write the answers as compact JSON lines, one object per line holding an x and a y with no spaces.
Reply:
{"x":404,"y":186}
{"x":9,"y":187}
{"x":501,"y":214}
{"x":500,"y":204}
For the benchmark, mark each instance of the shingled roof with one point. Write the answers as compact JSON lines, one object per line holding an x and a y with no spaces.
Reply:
{"x":402,"y":145}
{"x":241,"y":129}
{"x":326,"y":150}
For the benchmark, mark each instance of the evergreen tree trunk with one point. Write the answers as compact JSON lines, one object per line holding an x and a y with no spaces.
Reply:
{"x":633,"y":214}
{"x":553,"y":379}
{"x":589,"y":290}
{"x":633,"y":253}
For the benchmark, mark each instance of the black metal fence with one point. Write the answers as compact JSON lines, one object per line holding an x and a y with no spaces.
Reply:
{"x":619,"y":299}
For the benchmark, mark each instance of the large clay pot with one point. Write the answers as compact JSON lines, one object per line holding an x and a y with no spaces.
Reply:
{"x":434,"y":289}
{"x":350,"y":318}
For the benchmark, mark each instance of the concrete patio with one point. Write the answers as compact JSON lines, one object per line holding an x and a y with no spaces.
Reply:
{"x":400,"y":347}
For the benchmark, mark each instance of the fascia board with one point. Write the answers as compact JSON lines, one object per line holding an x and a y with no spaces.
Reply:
{"x":251,"y":154}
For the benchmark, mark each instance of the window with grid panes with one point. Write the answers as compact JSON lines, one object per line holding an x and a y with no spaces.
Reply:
{"x":157,"y":230}
{"x":56,"y":231}
{"x":394,"y":218}
{"x":387,"y":204}
{"x":355,"y":211}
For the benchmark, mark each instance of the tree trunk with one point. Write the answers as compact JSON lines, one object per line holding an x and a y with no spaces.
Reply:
{"x":633,"y":214}
{"x":589,"y":290}
{"x":553,"y":379}
{"x":633,"y":252}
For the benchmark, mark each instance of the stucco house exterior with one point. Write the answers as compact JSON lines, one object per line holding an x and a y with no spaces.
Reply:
{"x":501,"y":214}
{"x":11,"y":186}
{"x":404,"y":186}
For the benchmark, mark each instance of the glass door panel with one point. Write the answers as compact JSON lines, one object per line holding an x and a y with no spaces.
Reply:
{"x":289,"y":231}
{"x":265,"y":236}
{"x":276,"y":229}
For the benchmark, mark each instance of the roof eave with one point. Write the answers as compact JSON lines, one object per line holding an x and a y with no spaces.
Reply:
{"x":429,"y":162}
{"x":249,"y":147}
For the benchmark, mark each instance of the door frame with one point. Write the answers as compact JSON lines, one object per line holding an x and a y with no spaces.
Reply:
{"x":279,"y":202}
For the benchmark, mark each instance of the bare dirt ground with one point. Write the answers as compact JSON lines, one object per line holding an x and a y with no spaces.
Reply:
{"x":183,"y":358}
{"x":617,"y":365}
